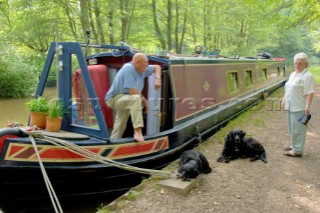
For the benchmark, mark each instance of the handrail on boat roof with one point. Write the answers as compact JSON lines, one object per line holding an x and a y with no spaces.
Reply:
{"x":121,"y":47}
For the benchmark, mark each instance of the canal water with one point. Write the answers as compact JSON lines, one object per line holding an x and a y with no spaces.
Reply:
{"x":13,"y":110}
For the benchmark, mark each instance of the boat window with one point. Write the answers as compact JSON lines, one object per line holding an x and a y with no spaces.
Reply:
{"x":248,"y":77}
{"x":232,"y":80}
{"x":83,"y":112}
{"x":264,"y":74}
{"x":278,"y":71}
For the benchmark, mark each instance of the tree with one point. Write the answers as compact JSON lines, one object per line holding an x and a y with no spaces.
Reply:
{"x":100,"y":26}
{"x":69,"y":10}
{"x":245,"y":27}
{"x":127,"y":8}
{"x":84,"y":17}
{"x":158,"y":31}
{"x":25,"y":23}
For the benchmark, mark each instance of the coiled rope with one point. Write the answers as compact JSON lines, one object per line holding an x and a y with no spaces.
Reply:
{"x":95,"y":157}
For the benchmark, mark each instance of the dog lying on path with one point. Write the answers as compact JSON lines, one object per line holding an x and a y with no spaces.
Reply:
{"x":192,"y":163}
{"x":236,"y":145}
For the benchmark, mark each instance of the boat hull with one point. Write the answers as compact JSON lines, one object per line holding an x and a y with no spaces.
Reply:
{"x":23,"y":187}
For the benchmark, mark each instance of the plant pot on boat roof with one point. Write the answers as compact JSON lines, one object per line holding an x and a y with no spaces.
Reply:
{"x":38,"y":111}
{"x":54,"y":117}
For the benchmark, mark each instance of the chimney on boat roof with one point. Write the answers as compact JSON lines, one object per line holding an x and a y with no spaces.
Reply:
{"x":264,"y":55}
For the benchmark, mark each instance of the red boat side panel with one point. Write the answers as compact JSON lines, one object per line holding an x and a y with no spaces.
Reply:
{"x":136,"y":149}
{"x":3,"y":139}
{"x":23,"y":152}
{"x":58,"y":153}
{"x":162,"y":144}
{"x":200,"y":87}
{"x":196,"y":88}
{"x":165,"y":144}
{"x":159,"y":144}
{"x":27,"y":153}
{"x":48,"y":153}
{"x":126,"y":150}
{"x":15,"y":150}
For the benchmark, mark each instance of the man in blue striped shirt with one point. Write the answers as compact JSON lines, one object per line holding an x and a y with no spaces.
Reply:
{"x":125,"y":95}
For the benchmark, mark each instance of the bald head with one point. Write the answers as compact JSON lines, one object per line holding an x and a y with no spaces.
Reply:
{"x":140,"y":62}
{"x":139,"y":57}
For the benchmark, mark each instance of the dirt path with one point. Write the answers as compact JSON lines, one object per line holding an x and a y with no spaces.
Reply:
{"x":284,"y":184}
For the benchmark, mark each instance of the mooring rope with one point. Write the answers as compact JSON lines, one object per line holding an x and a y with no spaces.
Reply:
{"x":52,"y":194}
{"x":96,"y":157}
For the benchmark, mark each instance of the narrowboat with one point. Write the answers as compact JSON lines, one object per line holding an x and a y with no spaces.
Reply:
{"x":199,"y":93}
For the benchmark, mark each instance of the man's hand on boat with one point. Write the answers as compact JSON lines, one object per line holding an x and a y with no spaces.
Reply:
{"x":145,"y":105}
{"x":157,"y":81}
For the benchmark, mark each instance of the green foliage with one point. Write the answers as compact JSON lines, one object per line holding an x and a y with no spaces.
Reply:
{"x":56,"y":109}
{"x":102,"y":209}
{"x":17,"y":77}
{"x":133,"y":195}
{"x":38,"y":105}
{"x":316,"y":73}
{"x":248,"y":27}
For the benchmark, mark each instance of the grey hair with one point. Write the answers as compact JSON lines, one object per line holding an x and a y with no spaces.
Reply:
{"x":301,"y":56}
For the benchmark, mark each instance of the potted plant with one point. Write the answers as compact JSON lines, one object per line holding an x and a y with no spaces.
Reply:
{"x":54,"y":117}
{"x":38,"y":111}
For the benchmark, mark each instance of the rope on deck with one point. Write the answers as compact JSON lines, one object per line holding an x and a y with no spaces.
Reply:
{"x":96,"y":157}
{"x":52,"y":194}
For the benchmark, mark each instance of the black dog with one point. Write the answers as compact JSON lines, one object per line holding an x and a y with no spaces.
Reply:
{"x":235,"y":146}
{"x":192,"y":163}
